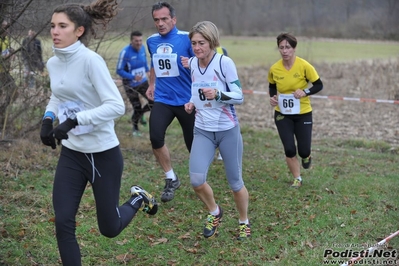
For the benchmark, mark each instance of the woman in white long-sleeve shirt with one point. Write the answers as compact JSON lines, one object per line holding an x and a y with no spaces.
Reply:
{"x":86,"y":101}
{"x":215,"y":90}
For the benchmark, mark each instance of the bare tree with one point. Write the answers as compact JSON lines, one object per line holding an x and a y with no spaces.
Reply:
{"x":21,"y":108}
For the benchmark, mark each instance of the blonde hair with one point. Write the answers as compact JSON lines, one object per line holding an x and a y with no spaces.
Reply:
{"x":208,"y":30}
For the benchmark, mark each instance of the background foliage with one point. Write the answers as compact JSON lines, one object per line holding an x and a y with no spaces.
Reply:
{"x":308,"y":18}
{"x":349,"y":197}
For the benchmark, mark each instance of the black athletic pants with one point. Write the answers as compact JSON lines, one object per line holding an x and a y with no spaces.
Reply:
{"x":104,"y":171}
{"x":162,"y":116}
{"x":295,"y":126}
{"x":133,"y":95}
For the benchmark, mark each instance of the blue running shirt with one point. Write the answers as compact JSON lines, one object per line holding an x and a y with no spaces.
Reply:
{"x":172,"y":82}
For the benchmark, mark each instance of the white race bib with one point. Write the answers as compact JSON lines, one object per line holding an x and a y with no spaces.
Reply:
{"x":288,"y":104}
{"x":138,"y":72}
{"x":165,"y":63}
{"x":66,"y":109}
{"x":199,"y":98}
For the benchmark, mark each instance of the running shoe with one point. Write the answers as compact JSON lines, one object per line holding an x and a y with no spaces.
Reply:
{"x":297,"y":183}
{"x":212,"y":224}
{"x":220,"y":158}
{"x":136,"y":133}
{"x":306,"y":162}
{"x":149,"y":204}
{"x":169,"y":190}
{"x":245,"y":231}
{"x":143,"y":121}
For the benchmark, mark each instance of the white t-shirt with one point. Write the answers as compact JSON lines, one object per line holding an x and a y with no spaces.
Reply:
{"x":220,"y":74}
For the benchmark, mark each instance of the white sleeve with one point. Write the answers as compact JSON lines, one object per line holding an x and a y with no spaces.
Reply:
{"x":112,"y":105}
{"x":233,"y":93}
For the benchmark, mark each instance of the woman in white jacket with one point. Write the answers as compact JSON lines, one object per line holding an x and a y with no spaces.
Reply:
{"x":86,"y":101}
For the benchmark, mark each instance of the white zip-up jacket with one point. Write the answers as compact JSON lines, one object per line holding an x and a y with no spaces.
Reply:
{"x":81,"y":83}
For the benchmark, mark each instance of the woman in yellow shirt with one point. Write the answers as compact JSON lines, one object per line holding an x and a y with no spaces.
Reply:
{"x":289,"y":94}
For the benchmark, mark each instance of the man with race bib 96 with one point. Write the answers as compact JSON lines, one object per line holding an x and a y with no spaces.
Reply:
{"x":170,"y":88}
{"x":289,"y":94}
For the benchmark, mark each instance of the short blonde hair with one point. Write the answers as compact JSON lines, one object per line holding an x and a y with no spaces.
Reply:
{"x":208,"y":30}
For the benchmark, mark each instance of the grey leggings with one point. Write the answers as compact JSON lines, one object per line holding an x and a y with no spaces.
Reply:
{"x":203,"y":152}
{"x":103,"y":170}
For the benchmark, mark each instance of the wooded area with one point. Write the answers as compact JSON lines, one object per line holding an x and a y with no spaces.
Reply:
{"x":366,"y":19}
{"x":320,"y":18}
{"x":348,"y":19}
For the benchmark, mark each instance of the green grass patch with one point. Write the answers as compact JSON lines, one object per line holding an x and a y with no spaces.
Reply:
{"x":263,"y":51}
{"x":259,"y":51}
{"x":349,"y":196}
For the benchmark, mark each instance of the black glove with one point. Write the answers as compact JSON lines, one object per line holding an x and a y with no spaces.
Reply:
{"x":46,"y":133}
{"x":61,"y":131}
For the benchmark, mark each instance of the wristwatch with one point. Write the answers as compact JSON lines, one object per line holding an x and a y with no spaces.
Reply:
{"x":74,"y":118}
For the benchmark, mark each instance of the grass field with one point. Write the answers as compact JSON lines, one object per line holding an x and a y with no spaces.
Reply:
{"x":263,"y":51}
{"x":259,"y":51}
{"x":349,"y":197}
{"x":349,"y":200}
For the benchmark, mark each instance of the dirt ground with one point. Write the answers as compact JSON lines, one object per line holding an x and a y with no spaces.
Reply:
{"x":343,"y":119}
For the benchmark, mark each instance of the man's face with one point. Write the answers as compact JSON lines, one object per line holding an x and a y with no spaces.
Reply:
{"x":137,"y":42}
{"x":163,"y":21}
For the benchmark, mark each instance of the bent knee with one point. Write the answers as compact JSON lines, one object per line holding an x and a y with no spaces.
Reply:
{"x":109,"y":232}
{"x":237,"y":185}
{"x":304,"y":154}
{"x":290,"y":153}
{"x":157,"y":143}
{"x":197,"y":179}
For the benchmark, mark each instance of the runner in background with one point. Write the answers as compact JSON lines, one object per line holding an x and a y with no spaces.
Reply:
{"x":221,"y":50}
{"x":289,"y":95}
{"x":32,"y":58}
{"x":132,"y":66}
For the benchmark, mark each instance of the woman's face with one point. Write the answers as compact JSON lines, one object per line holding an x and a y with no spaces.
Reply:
{"x":201,"y":47}
{"x":286,"y":50}
{"x":63,"y":31}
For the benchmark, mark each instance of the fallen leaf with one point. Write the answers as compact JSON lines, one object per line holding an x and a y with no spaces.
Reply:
{"x":191,"y":250}
{"x":159,"y":241}
{"x":309,"y":244}
{"x":185,"y":236}
{"x":124,"y":257}
{"x":22,"y":233}
{"x":330,"y":191}
{"x":123,"y":242}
